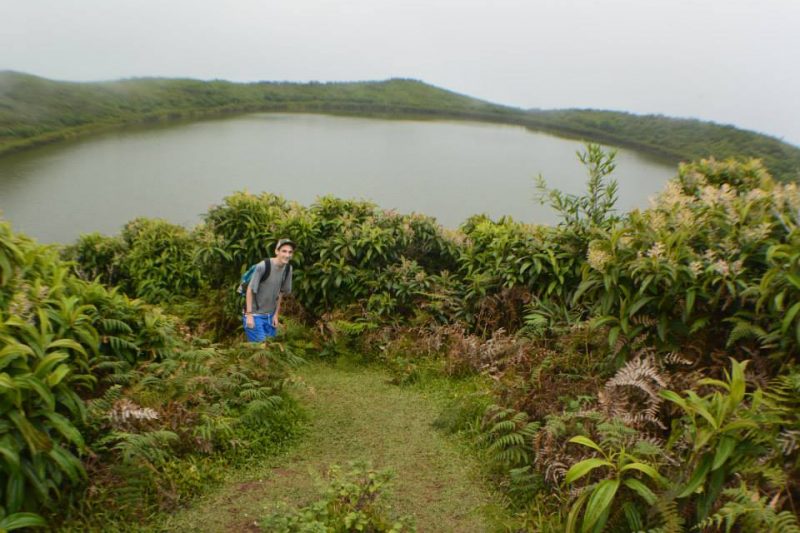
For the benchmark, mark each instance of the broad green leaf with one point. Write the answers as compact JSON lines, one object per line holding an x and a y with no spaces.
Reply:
{"x":67,"y":462}
{"x":725,"y":447}
{"x":57,"y":375}
{"x":645,"y":469}
{"x":14,"y":348}
{"x":67,"y":343}
{"x":29,"y":381}
{"x":7,"y":383}
{"x":789,"y":317}
{"x":599,"y":502}
{"x":49,"y":362}
{"x":698,"y":477}
{"x":697,"y":406}
{"x":580,"y":439}
{"x":737,"y":382}
{"x":641,"y":302}
{"x":641,"y":489}
{"x":578,"y":470}
{"x":716,"y":382}
{"x":676,"y":398}
{"x":613,"y":335}
{"x":15,"y":491}
{"x":572,"y":518}
{"x":690,"y":297}
{"x":9,"y":453}
{"x":37,"y":441}
{"x":65,"y":427}
{"x":21,"y":520}
{"x":739,"y":424}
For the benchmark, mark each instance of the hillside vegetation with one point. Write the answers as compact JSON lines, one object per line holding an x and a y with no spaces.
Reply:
{"x":34,"y":111}
{"x":633,"y":372}
{"x":675,"y":138}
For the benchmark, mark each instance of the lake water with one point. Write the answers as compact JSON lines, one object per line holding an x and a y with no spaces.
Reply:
{"x":447,"y":169}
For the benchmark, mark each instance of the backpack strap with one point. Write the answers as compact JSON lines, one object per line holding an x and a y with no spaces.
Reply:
{"x":268,"y":268}
{"x":286,"y":272}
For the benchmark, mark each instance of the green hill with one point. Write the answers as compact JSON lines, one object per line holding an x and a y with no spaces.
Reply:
{"x":35,"y":111}
{"x":676,"y":138}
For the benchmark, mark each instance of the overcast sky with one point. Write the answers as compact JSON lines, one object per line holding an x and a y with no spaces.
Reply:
{"x":730,"y":61}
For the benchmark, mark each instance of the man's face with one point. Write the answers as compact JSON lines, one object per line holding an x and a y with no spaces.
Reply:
{"x":284,"y":253}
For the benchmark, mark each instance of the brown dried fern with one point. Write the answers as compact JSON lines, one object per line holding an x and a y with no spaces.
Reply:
{"x":632,"y":395}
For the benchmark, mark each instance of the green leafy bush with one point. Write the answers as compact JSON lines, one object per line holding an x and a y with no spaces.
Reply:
{"x":352,"y":501}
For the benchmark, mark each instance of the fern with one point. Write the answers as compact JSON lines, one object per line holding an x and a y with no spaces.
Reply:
{"x":152,"y":448}
{"x":671,"y":519}
{"x":259,"y":411}
{"x":751,"y":512}
{"x":509,"y":435}
{"x":744,"y":329}
{"x":633,"y":393}
{"x":112,"y":325}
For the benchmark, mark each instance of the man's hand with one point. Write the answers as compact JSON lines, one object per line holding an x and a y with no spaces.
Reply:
{"x":251,"y":322}
{"x":275,"y":321}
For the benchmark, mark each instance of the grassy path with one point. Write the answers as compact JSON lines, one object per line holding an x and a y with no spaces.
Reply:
{"x":357,"y":416}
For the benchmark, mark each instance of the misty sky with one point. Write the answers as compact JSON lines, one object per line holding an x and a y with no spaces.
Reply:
{"x":730,"y":61}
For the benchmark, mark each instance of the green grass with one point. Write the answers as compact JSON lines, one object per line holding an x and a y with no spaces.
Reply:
{"x":36,"y":111}
{"x":356,"y":415}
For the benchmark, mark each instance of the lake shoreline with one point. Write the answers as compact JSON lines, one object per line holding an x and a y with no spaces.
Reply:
{"x":447,"y":169}
{"x":38,"y":111}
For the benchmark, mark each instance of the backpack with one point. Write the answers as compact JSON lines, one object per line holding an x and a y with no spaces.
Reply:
{"x":247,"y":276}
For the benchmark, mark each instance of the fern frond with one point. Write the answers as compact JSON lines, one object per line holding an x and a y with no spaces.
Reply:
{"x":633,"y":393}
{"x":153,"y":447}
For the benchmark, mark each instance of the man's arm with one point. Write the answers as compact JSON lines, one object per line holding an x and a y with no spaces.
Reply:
{"x":286,"y":288}
{"x":277,"y":310}
{"x":248,"y":308}
{"x":250,"y":293}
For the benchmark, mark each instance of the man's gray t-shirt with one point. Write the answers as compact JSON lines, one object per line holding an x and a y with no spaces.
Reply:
{"x":266,"y":293}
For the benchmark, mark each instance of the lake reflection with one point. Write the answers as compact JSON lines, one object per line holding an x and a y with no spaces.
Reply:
{"x":449,"y":170}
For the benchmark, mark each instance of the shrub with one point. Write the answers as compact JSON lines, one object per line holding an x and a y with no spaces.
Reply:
{"x":352,"y":501}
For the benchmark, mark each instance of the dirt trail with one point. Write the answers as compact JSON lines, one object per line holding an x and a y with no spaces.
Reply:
{"x":355,"y":415}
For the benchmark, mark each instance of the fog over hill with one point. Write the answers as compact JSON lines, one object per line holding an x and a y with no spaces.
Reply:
{"x":727,"y":61}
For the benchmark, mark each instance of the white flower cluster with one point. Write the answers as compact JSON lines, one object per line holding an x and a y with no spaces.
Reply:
{"x":692,"y":179}
{"x":597,"y":257}
{"x":758,"y":233}
{"x":656,"y":251}
{"x":673,"y":196}
{"x":725,"y":269}
{"x":787,"y":197}
{"x":723,"y":196}
{"x":756,"y":195}
{"x":20,"y":304}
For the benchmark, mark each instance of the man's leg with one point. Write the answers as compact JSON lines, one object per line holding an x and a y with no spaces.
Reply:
{"x":256,"y":333}
{"x":268,"y":329}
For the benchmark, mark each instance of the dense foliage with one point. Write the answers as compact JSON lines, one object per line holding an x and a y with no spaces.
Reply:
{"x":677,"y":139}
{"x":643,"y":365}
{"x":35,"y":111}
{"x":105,"y":406}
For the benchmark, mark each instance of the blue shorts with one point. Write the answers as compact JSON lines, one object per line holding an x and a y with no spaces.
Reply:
{"x":262,"y":328}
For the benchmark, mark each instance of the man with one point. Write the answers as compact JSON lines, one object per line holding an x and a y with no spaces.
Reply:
{"x":263,"y":294}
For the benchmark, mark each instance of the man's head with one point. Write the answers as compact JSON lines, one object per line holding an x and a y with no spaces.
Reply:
{"x":284,"y":250}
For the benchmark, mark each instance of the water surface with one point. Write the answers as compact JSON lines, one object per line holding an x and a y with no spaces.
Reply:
{"x":446,"y":169}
